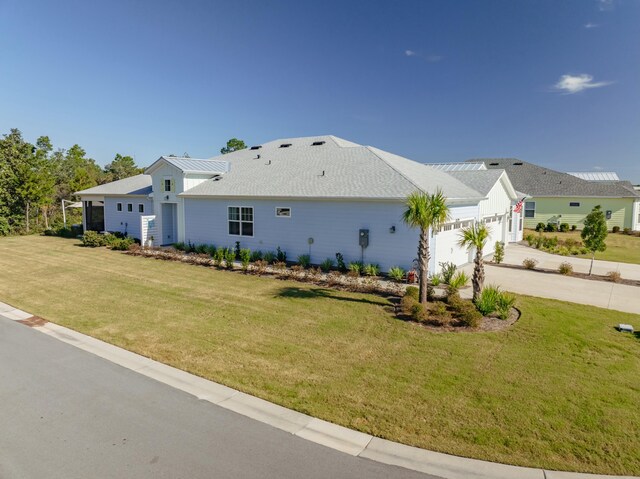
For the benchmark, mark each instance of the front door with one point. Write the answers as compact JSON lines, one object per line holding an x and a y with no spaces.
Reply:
{"x":169,"y":223}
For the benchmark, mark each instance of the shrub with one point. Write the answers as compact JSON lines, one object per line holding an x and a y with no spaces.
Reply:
{"x":340,"y":262}
{"x":92,"y":239}
{"x":540,"y":227}
{"x":121,"y":244}
{"x":280,"y":265}
{"x":326,"y":265}
{"x":256,"y":256}
{"x":447,"y":271}
{"x":551,"y":227}
{"x":504,"y":304}
{"x":190,"y":248}
{"x":563,"y":251}
{"x":530,"y":239}
{"x":614,"y":276}
{"x":419,"y":313}
{"x":565,"y":268}
{"x":211,"y":250}
{"x":269,"y":257}
{"x":438,"y":308}
{"x":202,"y":249}
{"x":549,"y":242}
{"x":304,"y":260}
{"x":260,"y":266}
{"x":498,"y":254}
{"x":615,"y":229}
{"x":229,"y":258}
{"x":564,"y":227}
{"x":396,"y":273}
{"x":180,"y":246}
{"x":469,"y":316}
{"x":218,"y":257}
{"x":584,"y":250}
{"x":436,"y":279}
{"x":371,"y":269}
{"x":487,"y":302}
{"x":574,"y":227}
{"x":281,"y":256}
{"x":407,"y":303}
{"x":356,"y":267}
{"x":627,"y":231}
{"x":413,"y":292}
{"x":459,"y":280}
{"x":529,"y":263}
{"x":245,"y":258}
{"x":539,"y":242}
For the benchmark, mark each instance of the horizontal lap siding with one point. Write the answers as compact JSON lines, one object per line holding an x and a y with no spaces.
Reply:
{"x":122,"y":221}
{"x":548,"y":209}
{"x":334,"y":227}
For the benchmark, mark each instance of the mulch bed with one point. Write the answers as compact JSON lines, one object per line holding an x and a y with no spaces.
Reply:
{"x":593,"y":277}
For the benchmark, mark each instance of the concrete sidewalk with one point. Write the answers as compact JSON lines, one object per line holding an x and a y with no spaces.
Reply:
{"x":318,"y":431}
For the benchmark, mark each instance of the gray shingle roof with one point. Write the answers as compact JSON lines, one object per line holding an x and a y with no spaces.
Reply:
{"x":336,"y":169}
{"x":134,"y":185}
{"x":538,"y":181}
{"x":480,"y":180}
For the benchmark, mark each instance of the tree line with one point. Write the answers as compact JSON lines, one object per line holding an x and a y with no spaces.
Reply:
{"x":35,"y":178}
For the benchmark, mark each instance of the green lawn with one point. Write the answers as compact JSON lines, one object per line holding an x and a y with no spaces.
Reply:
{"x":559,"y":390}
{"x":620,"y":247}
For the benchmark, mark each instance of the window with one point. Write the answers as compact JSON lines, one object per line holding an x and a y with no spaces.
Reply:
{"x":140,"y":208}
{"x":118,"y":206}
{"x":574,"y":203}
{"x":129,"y":207}
{"x":168,"y":184}
{"x":529,"y":209}
{"x":282,"y":212}
{"x":240,"y":221}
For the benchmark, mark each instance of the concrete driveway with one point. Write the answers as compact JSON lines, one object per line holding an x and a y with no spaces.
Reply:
{"x":602,"y":294}
{"x":69,"y":414}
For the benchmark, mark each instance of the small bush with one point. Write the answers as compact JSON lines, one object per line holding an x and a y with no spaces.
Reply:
{"x":280,"y":265}
{"x":180,"y":246}
{"x":407,"y":303}
{"x":326,"y":265}
{"x":229,"y":258}
{"x":626,"y":231}
{"x":469,"y":316}
{"x":121,"y":244}
{"x":574,"y":227}
{"x":396,"y":273}
{"x":447,"y":271}
{"x":529,"y":263}
{"x":616,"y":229}
{"x":540,"y":227}
{"x":304,"y":260}
{"x":487,"y":302}
{"x":419,"y":313}
{"x":565,"y":268}
{"x":549,"y":242}
{"x":269,"y":257}
{"x":256,"y":256}
{"x":281,"y":256}
{"x":371,"y":269}
{"x":413,"y":292}
{"x":539,"y":242}
{"x":260,"y":266}
{"x":356,"y":267}
{"x":92,"y":239}
{"x":563,"y":251}
{"x":245,"y":258}
{"x":564,"y":227}
{"x":340,"y":262}
{"x":436,"y":279}
{"x":498,"y":254}
{"x":584,"y":250}
{"x":459,"y":280}
{"x":551,"y":227}
{"x":202,"y":249}
{"x":614,"y":276}
{"x":504,"y":304}
{"x":530,"y":239}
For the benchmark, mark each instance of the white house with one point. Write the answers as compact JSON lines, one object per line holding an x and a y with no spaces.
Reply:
{"x":313,"y":195}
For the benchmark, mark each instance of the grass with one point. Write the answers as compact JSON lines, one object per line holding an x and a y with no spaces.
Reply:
{"x":620,"y":247}
{"x":558,"y":390}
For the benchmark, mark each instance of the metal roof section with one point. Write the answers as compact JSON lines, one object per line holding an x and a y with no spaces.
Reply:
{"x":191,"y":165}
{"x":139,"y":185}
{"x":334,"y":169}
{"x":595,"y":175}
{"x":462,"y":166}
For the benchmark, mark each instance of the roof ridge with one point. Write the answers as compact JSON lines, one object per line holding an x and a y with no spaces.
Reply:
{"x":370,"y":148}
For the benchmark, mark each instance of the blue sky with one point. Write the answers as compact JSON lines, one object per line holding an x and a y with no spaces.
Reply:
{"x":552,"y":82}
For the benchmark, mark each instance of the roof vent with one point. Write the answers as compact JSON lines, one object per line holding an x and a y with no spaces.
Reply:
{"x":216,"y":178}
{"x":285,"y":145}
{"x":257,"y":147}
{"x":494,"y":164}
{"x":517,"y":163}
{"x":318,"y":143}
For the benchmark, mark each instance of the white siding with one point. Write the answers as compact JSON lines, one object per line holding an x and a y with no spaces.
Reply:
{"x":333,"y":225}
{"x":124,"y":221}
{"x":194,"y":180}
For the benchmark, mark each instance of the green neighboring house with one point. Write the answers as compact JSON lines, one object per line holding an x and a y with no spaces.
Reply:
{"x":557,"y":197}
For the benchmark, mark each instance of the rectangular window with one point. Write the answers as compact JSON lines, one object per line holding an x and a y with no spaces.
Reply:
{"x":140,"y":208}
{"x":167,"y":184}
{"x":240,"y":220}
{"x":130,"y":207}
{"x":574,"y":203}
{"x":283,"y":212}
{"x":118,"y":206}
{"x":529,"y":209}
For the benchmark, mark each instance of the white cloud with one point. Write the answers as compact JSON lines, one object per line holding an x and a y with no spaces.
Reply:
{"x":410,"y":53}
{"x":598,"y":168}
{"x":605,"y":5}
{"x":591,"y":25}
{"x":570,"y":84}
{"x":427,"y":58}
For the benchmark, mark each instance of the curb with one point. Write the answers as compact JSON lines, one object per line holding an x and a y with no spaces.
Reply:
{"x":312,"y":429}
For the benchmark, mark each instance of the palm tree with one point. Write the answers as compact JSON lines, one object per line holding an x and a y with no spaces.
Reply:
{"x":425,"y":211}
{"x":476,"y":236}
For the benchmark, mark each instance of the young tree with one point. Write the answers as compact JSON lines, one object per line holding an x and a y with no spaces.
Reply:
{"x":594,"y":233}
{"x":476,"y":236}
{"x":121,"y":167}
{"x":233,"y":145}
{"x":425,"y":211}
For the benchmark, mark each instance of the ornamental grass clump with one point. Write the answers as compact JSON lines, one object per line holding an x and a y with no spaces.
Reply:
{"x":326,"y":265}
{"x":504,"y":304}
{"x":396,"y":273}
{"x":487,"y":301}
{"x":371,"y":270}
{"x":304,"y":260}
{"x":529,"y":263}
{"x":565,"y":268}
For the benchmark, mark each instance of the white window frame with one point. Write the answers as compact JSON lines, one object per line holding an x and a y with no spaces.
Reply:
{"x":283,"y":208}
{"x":140,"y":207}
{"x":129,"y":207}
{"x":164,"y":184}
{"x":119,"y":207}
{"x":240,"y":221}
{"x":525,"y":209}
